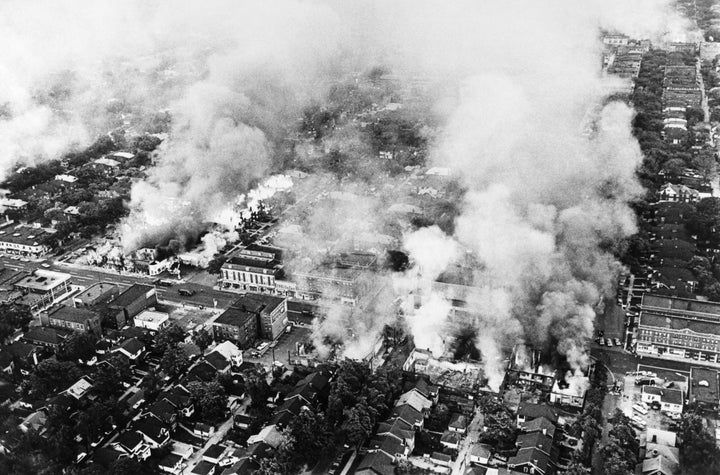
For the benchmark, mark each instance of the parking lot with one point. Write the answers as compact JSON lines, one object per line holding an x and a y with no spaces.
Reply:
{"x":283,"y":348}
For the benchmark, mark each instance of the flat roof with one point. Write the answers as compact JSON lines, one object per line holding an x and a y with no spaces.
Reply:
{"x":701,"y":392}
{"x":152,"y":316}
{"x":681,"y":305}
{"x":19,"y":234}
{"x":43,"y":280}
{"x":679,"y":323}
{"x":131,"y":294}
{"x":96,"y":291}
{"x":72,"y":314}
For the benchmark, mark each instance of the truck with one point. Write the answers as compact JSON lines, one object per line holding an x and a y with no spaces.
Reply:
{"x":186,"y":292}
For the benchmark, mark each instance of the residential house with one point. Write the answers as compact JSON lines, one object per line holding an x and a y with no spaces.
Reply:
{"x":529,"y":411}
{"x":442,"y":459}
{"x":536,"y":440}
{"x":407,"y":414}
{"x":458,"y":423}
{"x":531,"y":460}
{"x":541,"y":425}
{"x":376,"y":463}
{"x":203,"y":430}
{"x":417,"y":401}
{"x":400,"y":430}
{"x":389,"y":446}
{"x":218,"y":361}
{"x":214,"y":453}
{"x":155,"y":434}
{"x":171,"y":463}
{"x":203,"y":468}
{"x":480,"y":454}
{"x":450,"y":440}
{"x":131,"y":348}
{"x":179,"y":397}
{"x":133,"y":444}
{"x":164,"y":412}
{"x":269,"y":435}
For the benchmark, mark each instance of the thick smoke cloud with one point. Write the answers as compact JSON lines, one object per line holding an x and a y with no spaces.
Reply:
{"x":516,"y":79}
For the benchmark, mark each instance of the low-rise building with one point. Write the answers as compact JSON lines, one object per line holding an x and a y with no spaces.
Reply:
{"x":152,"y":320}
{"x":671,"y":400}
{"x":96,"y":294}
{"x":71,"y":318}
{"x":704,"y":391}
{"x":132,"y":348}
{"x":129,"y":303}
{"x":253,"y":269}
{"x":676,"y":328}
{"x":44,"y":288}
{"x":250,"y":317}
{"x":23,"y":240}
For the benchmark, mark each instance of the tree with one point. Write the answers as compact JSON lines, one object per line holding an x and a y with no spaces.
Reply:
{"x":210,"y":399}
{"x":51,"y":376}
{"x":698,"y":452}
{"x":174,"y":361}
{"x":80,"y":346}
{"x":169,"y":336}
{"x":203,"y":339}
{"x":128,"y":466}
{"x":358,"y":423}
{"x":109,"y":376}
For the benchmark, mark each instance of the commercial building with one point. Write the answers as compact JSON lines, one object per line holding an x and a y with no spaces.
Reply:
{"x":96,"y":294}
{"x":43,"y":288}
{"x":676,"y":328}
{"x":704,"y":391}
{"x":71,"y":318}
{"x":671,"y":400}
{"x":253,"y":269}
{"x":23,"y":240}
{"x":342,"y":277}
{"x":131,"y":302}
{"x":152,"y":320}
{"x":250,"y":317}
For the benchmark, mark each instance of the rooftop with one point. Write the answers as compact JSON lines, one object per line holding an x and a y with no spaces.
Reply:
{"x":679,"y":305}
{"x":25,"y":235}
{"x":43,"y":280}
{"x":704,"y":385}
{"x":670,"y":396}
{"x":72,"y":314}
{"x":97,"y":291}
{"x":132,"y":294}
{"x":151,"y":316}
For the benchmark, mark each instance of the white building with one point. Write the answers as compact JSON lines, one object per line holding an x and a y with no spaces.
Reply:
{"x":152,"y":320}
{"x":671,"y":400}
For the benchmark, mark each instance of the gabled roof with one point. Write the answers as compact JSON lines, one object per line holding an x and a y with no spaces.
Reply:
{"x":408,"y":414}
{"x":481,"y":450}
{"x":397,"y":427}
{"x":376,"y":462}
{"x":532,"y":456}
{"x":131,"y":346}
{"x":414,"y":399}
{"x":293,"y":406}
{"x":215,"y":451}
{"x":162,"y":410}
{"x":458,"y":420}
{"x":316,"y":380}
{"x":45,"y":335}
{"x":217,"y":361}
{"x":203,"y":372}
{"x":106,"y":457}
{"x":535,"y":439}
{"x":306,"y":392}
{"x":129,"y":439}
{"x":539,"y":424}
{"x":388,"y":444}
{"x":659,"y":465}
{"x":177,"y":396}
{"x":533,"y":411}
{"x":450,"y":437}
{"x":150,"y":428}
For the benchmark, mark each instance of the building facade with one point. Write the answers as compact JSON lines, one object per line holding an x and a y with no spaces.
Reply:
{"x":71,"y":318}
{"x":43,"y":288}
{"x":253,"y":269}
{"x":675,"y":328}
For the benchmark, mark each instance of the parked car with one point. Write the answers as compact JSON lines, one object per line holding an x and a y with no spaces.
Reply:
{"x":608,"y":342}
{"x":617,"y":341}
{"x":186,"y":292}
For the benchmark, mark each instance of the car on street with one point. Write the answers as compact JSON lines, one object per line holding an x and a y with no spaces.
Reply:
{"x":608,"y":342}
